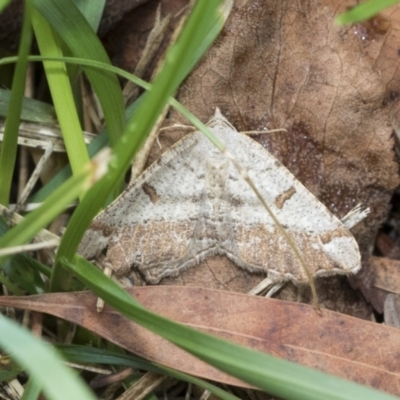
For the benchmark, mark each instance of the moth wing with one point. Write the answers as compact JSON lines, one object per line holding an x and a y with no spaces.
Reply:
{"x":256,"y":244}
{"x":153,"y":223}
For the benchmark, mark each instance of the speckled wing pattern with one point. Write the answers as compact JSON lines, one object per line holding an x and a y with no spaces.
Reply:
{"x":192,"y":203}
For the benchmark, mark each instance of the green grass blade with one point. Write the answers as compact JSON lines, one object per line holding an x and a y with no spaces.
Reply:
{"x":32,"y":390}
{"x":3,"y":4}
{"x":57,"y":202}
{"x":32,"y":110}
{"x":92,"y":11}
{"x":9,"y":147}
{"x":80,"y":38}
{"x":10,"y":286}
{"x":9,"y":369}
{"x":275,"y":376}
{"x":364,"y":11}
{"x":209,"y":37}
{"x":58,"y":381}
{"x":25,"y":271}
{"x":90,"y":355}
{"x":61,"y":93}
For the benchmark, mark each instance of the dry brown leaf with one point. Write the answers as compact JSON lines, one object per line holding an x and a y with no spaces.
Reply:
{"x":380,"y":279}
{"x":392,"y":310}
{"x":344,"y":346}
{"x":386,"y":274}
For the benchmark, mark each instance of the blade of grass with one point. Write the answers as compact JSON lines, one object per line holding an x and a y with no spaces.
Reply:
{"x":275,"y":376}
{"x":32,"y":110}
{"x":179,"y":55}
{"x":61,"y":93}
{"x":54,"y":205}
{"x":58,"y":381}
{"x":24,"y":271}
{"x":80,"y":38}
{"x":4,"y":4}
{"x":85,"y":355}
{"x":10,"y":286}
{"x":9,"y":147}
{"x":364,"y":11}
{"x":32,"y":390}
{"x":9,"y":369}
{"x":92,"y":10}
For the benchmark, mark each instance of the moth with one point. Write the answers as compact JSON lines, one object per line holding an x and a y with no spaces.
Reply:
{"x":192,"y":204}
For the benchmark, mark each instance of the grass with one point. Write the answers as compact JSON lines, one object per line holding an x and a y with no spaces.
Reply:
{"x":62,"y":30}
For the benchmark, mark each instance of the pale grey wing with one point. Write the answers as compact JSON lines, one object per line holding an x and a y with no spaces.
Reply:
{"x":118,"y":215}
{"x":256,"y":244}
{"x":153,"y":224}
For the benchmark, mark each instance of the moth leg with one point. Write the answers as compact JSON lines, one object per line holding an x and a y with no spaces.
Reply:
{"x":274,"y":289}
{"x":272,"y":286}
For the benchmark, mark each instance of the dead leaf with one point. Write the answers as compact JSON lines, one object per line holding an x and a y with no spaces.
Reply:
{"x":392,"y":310}
{"x":387,"y":274}
{"x":337,"y":344}
{"x":381,"y":278}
